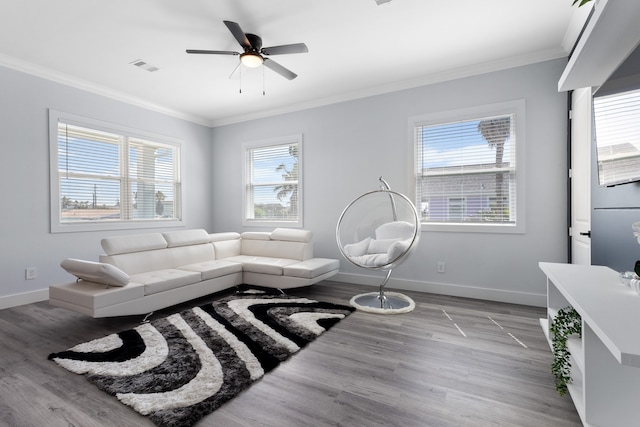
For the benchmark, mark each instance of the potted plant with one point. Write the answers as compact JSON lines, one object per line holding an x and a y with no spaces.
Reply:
{"x":566,"y":323}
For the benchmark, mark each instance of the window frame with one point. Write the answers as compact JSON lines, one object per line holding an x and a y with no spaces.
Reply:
{"x":57,"y":226}
{"x":516,"y":107}
{"x":247,"y":199}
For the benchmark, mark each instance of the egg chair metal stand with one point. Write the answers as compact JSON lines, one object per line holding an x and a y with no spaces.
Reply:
{"x":377,"y":231}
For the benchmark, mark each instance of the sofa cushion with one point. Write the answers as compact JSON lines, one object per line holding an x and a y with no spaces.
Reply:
{"x":311,"y":268}
{"x":183,"y":255}
{"x":97,"y":272}
{"x":217,"y":237}
{"x":291,"y":235}
{"x":276,"y":249}
{"x":141,"y":262}
{"x":186,"y":237}
{"x":133,"y":243}
{"x":227,"y":248}
{"x":256,"y":235}
{"x":265,"y":265}
{"x":163,"y":280}
{"x":213,"y":269}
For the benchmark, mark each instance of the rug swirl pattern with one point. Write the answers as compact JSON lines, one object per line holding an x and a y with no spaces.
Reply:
{"x":177,"y":369}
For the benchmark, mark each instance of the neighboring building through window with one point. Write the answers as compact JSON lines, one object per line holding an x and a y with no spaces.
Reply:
{"x":617,"y":136}
{"x":108,"y":177}
{"x":273,"y":182}
{"x":466,"y":173}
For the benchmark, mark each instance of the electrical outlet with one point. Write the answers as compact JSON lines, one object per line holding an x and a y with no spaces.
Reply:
{"x":30,"y":273}
{"x":440,"y":266}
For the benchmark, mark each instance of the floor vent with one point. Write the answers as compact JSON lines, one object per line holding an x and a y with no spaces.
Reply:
{"x":140,"y":63}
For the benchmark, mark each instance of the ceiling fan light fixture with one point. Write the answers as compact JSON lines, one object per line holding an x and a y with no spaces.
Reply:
{"x":251,"y":59}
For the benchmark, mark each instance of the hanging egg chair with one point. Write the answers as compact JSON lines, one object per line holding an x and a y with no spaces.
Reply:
{"x":377,"y":231}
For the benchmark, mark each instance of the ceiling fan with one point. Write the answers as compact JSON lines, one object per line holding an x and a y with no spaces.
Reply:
{"x":254,"y":54}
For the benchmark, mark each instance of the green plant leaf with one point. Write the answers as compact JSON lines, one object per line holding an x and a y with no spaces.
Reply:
{"x":567,"y":322}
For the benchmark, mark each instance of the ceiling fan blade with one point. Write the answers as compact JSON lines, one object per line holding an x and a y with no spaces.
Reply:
{"x":285,"y":49}
{"x":287,"y":74}
{"x":238,"y":34}
{"x":212,"y":52}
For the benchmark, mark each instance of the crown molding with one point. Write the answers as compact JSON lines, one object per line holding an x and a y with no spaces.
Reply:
{"x":444,"y":76}
{"x":67,"y":80}
{"x":430,"y":79}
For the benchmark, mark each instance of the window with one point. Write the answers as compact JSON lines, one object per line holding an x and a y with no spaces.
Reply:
{"x":465,"y":168}
{"x":272,"y":182}
{"x":108,"y":177}
{"x":456,"y":210}
{"x":617,"y":132}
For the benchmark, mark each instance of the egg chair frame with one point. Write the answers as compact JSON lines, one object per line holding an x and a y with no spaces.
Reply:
{"x":381,"y":301}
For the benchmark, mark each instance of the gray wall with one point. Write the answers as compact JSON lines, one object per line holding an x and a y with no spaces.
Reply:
{"x":24,"y":174}
{"x":347,"y":146}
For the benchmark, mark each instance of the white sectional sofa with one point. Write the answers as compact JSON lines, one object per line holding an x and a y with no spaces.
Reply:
{"x":142,"y":273}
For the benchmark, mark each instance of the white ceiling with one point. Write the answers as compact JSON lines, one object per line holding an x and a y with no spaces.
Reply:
{"x":356,"y":47}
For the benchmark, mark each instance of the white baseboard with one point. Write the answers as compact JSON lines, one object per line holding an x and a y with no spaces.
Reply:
{"x":536,"y":300}
{"x":25,"y":298}
{"x":513,"y":297}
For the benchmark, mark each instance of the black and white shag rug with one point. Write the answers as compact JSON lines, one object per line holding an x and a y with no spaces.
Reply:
{"x":177,"y":369}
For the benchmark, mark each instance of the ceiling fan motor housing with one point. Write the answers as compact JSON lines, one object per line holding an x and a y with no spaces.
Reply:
{"x":255,"y":42}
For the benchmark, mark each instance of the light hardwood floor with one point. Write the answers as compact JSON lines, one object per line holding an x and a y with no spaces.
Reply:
{"x":450,"y":362}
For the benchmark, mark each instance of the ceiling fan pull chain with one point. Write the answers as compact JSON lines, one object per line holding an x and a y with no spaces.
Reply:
{"x":263,"y":93}
{"x":240,"y":70}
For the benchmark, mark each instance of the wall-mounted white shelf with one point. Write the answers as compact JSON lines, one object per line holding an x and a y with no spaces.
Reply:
{"x":605,"y":370}
{"x":608,"y":39}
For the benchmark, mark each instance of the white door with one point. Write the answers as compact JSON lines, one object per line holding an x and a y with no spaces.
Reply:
{"x":581,"y":176}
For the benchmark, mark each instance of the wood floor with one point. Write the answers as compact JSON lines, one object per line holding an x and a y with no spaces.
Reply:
{"x":450,"y":362}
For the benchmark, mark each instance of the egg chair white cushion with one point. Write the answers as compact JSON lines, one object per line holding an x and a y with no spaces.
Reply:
{"x":357,"y":249}
{"x":396,"y":230}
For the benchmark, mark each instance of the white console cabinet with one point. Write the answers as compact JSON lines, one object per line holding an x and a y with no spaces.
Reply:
{"x":605,"y":365}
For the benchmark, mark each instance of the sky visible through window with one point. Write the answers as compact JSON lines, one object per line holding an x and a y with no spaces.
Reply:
{"x":457,"y":144}
{"x":265,"y":171}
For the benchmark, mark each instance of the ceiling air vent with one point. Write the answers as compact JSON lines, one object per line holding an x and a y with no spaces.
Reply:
{"x":140,"y":63}
{"x":382,"y":2}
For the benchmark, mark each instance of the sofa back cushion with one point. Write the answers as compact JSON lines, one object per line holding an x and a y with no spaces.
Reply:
{"x":140,"y":262}
{"x":291,"y":235}
{"x":275,"y":248}
{"x":225,"y":244}
{"x":185,"y":255}
{"x":160,"y":259}
{"x":133,"y":243}
{"x":186,"y":237}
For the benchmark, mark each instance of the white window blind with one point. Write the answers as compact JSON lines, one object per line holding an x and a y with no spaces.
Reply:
{"x":617,"y":130}
{"x":465,"y":168}
{"x":273,"y":191}
{"x":111,"y":177}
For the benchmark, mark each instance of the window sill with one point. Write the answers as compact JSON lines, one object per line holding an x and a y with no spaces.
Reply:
{"x":473,"y":228}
